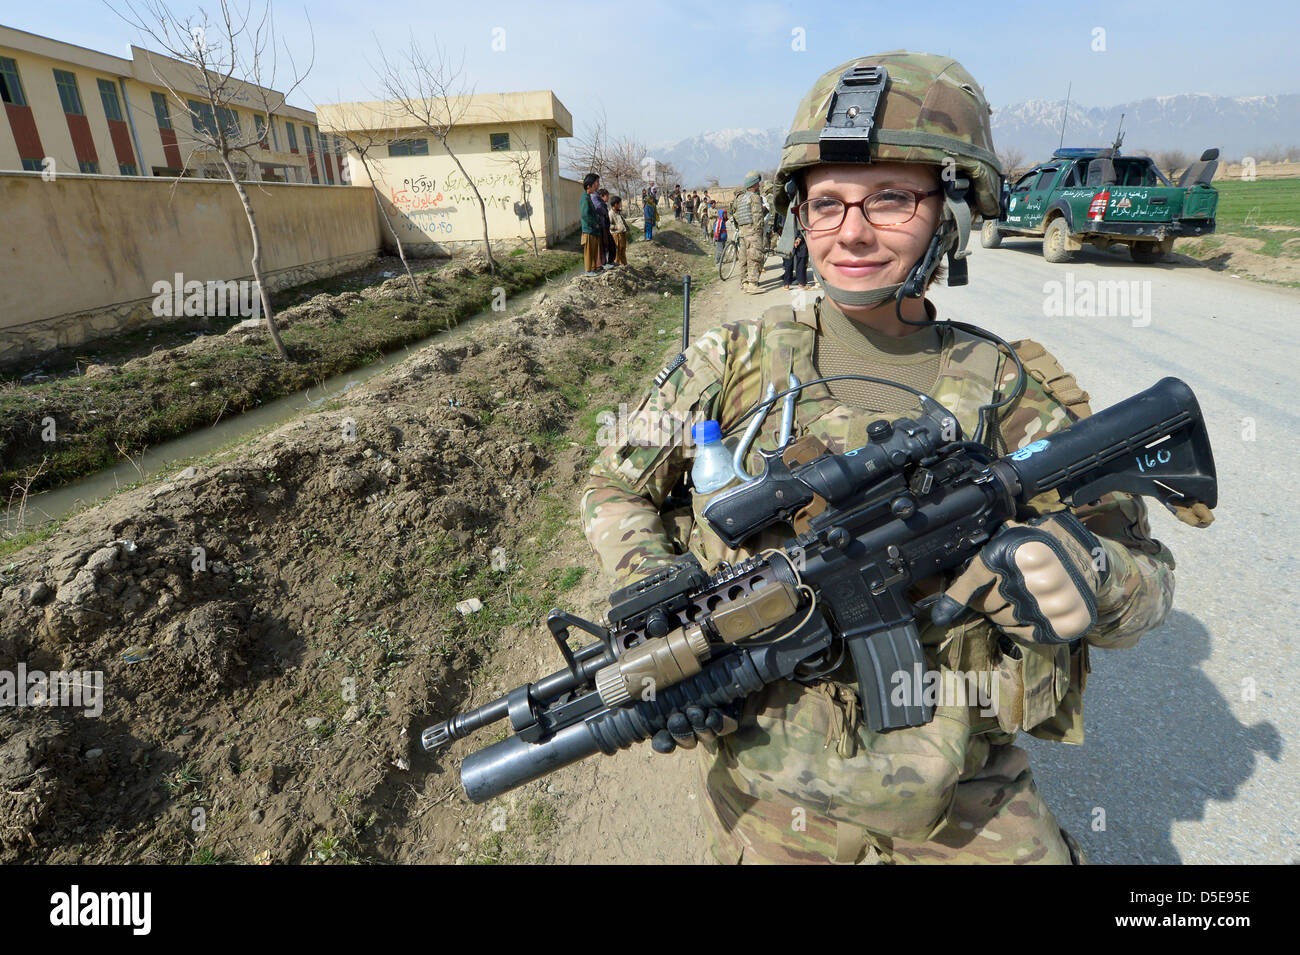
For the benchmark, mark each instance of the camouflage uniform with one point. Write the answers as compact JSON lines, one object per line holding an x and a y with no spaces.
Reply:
{"x":749,"y":205}
{"x":802,"y":780}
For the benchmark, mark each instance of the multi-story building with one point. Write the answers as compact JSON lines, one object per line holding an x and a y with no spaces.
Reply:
{"x":70,"y":109}
{"x":426,"y":195}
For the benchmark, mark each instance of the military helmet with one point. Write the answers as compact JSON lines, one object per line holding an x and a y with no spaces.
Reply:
{"x":930,"y":111}
{"x":752,"y":178}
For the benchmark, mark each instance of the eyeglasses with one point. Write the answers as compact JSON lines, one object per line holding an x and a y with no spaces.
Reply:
{"x":884,"y":208}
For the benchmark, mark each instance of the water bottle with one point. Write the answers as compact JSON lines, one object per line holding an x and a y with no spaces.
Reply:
{"x":712,"y":469}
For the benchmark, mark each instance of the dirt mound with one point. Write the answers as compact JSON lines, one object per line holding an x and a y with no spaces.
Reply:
{"x":679,"y":243}
{"x":1240,"y":255}
{"x":273,"y":629}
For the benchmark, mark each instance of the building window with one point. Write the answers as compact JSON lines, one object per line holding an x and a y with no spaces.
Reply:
{"x":306,"y":138}
{"x":112,"y":106}
{"x":161,"y":111}
{"x":229,"y":120}
{"x":89,"y":167}
{"x":201,"y":116}
{"x":127,"y":169}
{"x":260,"y":123}
{"x":68,"y":93}
{"x":293,"y":137}
{"x":33,"y":165}
{"x":11,"y":87}
{"x":500,"y":142}
{"x":408,"y":147}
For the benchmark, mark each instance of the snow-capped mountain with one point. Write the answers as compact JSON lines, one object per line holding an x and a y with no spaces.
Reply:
{"x":1238,"y":125}
{"x":725,"y":153}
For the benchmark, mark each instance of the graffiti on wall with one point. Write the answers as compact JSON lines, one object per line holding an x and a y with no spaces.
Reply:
{"x":427,"y":206}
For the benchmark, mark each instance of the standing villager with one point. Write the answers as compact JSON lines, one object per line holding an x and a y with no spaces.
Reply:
{"x":796,"y":263}
{"x":590,"y":223}
{"x":618,"y":229}
{"x":719,"y":235}
{"x":651,"y":217}
{"x":607,"y":238}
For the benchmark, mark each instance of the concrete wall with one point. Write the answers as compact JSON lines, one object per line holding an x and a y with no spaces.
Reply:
{"x":82,"y":253}
{"x":434,"y":209}
{"x":569,"y":197}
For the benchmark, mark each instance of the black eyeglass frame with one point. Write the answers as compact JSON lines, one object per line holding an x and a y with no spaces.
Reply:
{"x":916,"y":194}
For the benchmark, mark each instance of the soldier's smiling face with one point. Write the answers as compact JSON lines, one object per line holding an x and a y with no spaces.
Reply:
{"x":859,"y":256}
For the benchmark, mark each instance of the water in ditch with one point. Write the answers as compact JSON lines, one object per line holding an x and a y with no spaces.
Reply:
{"x":45,"y":506}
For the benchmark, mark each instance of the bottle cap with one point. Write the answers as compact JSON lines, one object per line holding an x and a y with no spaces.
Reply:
{"x":706,"y":432}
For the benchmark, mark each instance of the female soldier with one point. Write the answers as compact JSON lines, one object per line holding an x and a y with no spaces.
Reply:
{"x":889,"y":156}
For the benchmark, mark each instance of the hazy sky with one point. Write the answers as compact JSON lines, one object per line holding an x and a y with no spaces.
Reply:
{"x":666,"y":70}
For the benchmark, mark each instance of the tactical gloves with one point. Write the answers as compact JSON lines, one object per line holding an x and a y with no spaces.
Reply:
{"x":696,"y":723}
{"x":1038,"y":581}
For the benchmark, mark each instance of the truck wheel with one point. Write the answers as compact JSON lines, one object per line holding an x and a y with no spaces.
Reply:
{"x":1146,"y":253}
{"x":1054,"y":249}
{"x":990,"y":237}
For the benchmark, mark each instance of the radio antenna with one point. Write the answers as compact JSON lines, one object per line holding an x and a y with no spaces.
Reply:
{"x":1064,"y":112}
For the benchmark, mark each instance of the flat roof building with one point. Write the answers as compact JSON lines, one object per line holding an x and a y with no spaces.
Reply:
{"x":428,"y":199}
{"x":70,"y":109}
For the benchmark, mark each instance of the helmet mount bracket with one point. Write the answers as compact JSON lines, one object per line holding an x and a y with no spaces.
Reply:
{"x":851,"y":117}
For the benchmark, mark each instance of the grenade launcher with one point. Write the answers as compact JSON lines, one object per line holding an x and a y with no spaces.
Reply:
{"x":915,"y":501}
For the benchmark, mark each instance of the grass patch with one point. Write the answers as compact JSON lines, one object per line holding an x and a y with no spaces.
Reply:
{"x":96,"y":422}
{"x":1245,"y":205}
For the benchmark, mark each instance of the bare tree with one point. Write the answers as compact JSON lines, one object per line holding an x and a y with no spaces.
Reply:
{"x":1012,"y":159}
{"x":363,"y":142}
{"x":624,"y":168}
{"x":589,"y":151}
{"x":224,"y":63}
{"x":1171,"y":161}
{"x":527,"y":166}
{"x":432,"y":92}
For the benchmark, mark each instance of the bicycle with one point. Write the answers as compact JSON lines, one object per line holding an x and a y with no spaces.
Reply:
{"x":730,"y":256}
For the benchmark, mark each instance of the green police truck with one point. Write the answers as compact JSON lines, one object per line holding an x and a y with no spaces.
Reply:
{"x":1098,"y":197}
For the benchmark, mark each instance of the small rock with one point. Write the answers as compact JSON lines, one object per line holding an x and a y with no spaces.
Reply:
{"x":402,"y":763}
{"x":94,"y":753}
{"x":37,"y":592}
{"x":312,"y":722}
{"x":195,"y":384}
{"x":352,"y":714}
{"x":256,"y":816}
{"x":467,"y":607}
{"x":187,"y":474}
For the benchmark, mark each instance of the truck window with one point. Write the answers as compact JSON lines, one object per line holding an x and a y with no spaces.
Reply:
{"x":1072,"y":178}
{"x":1025,"y":181}
{"x":1045,"y":180}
